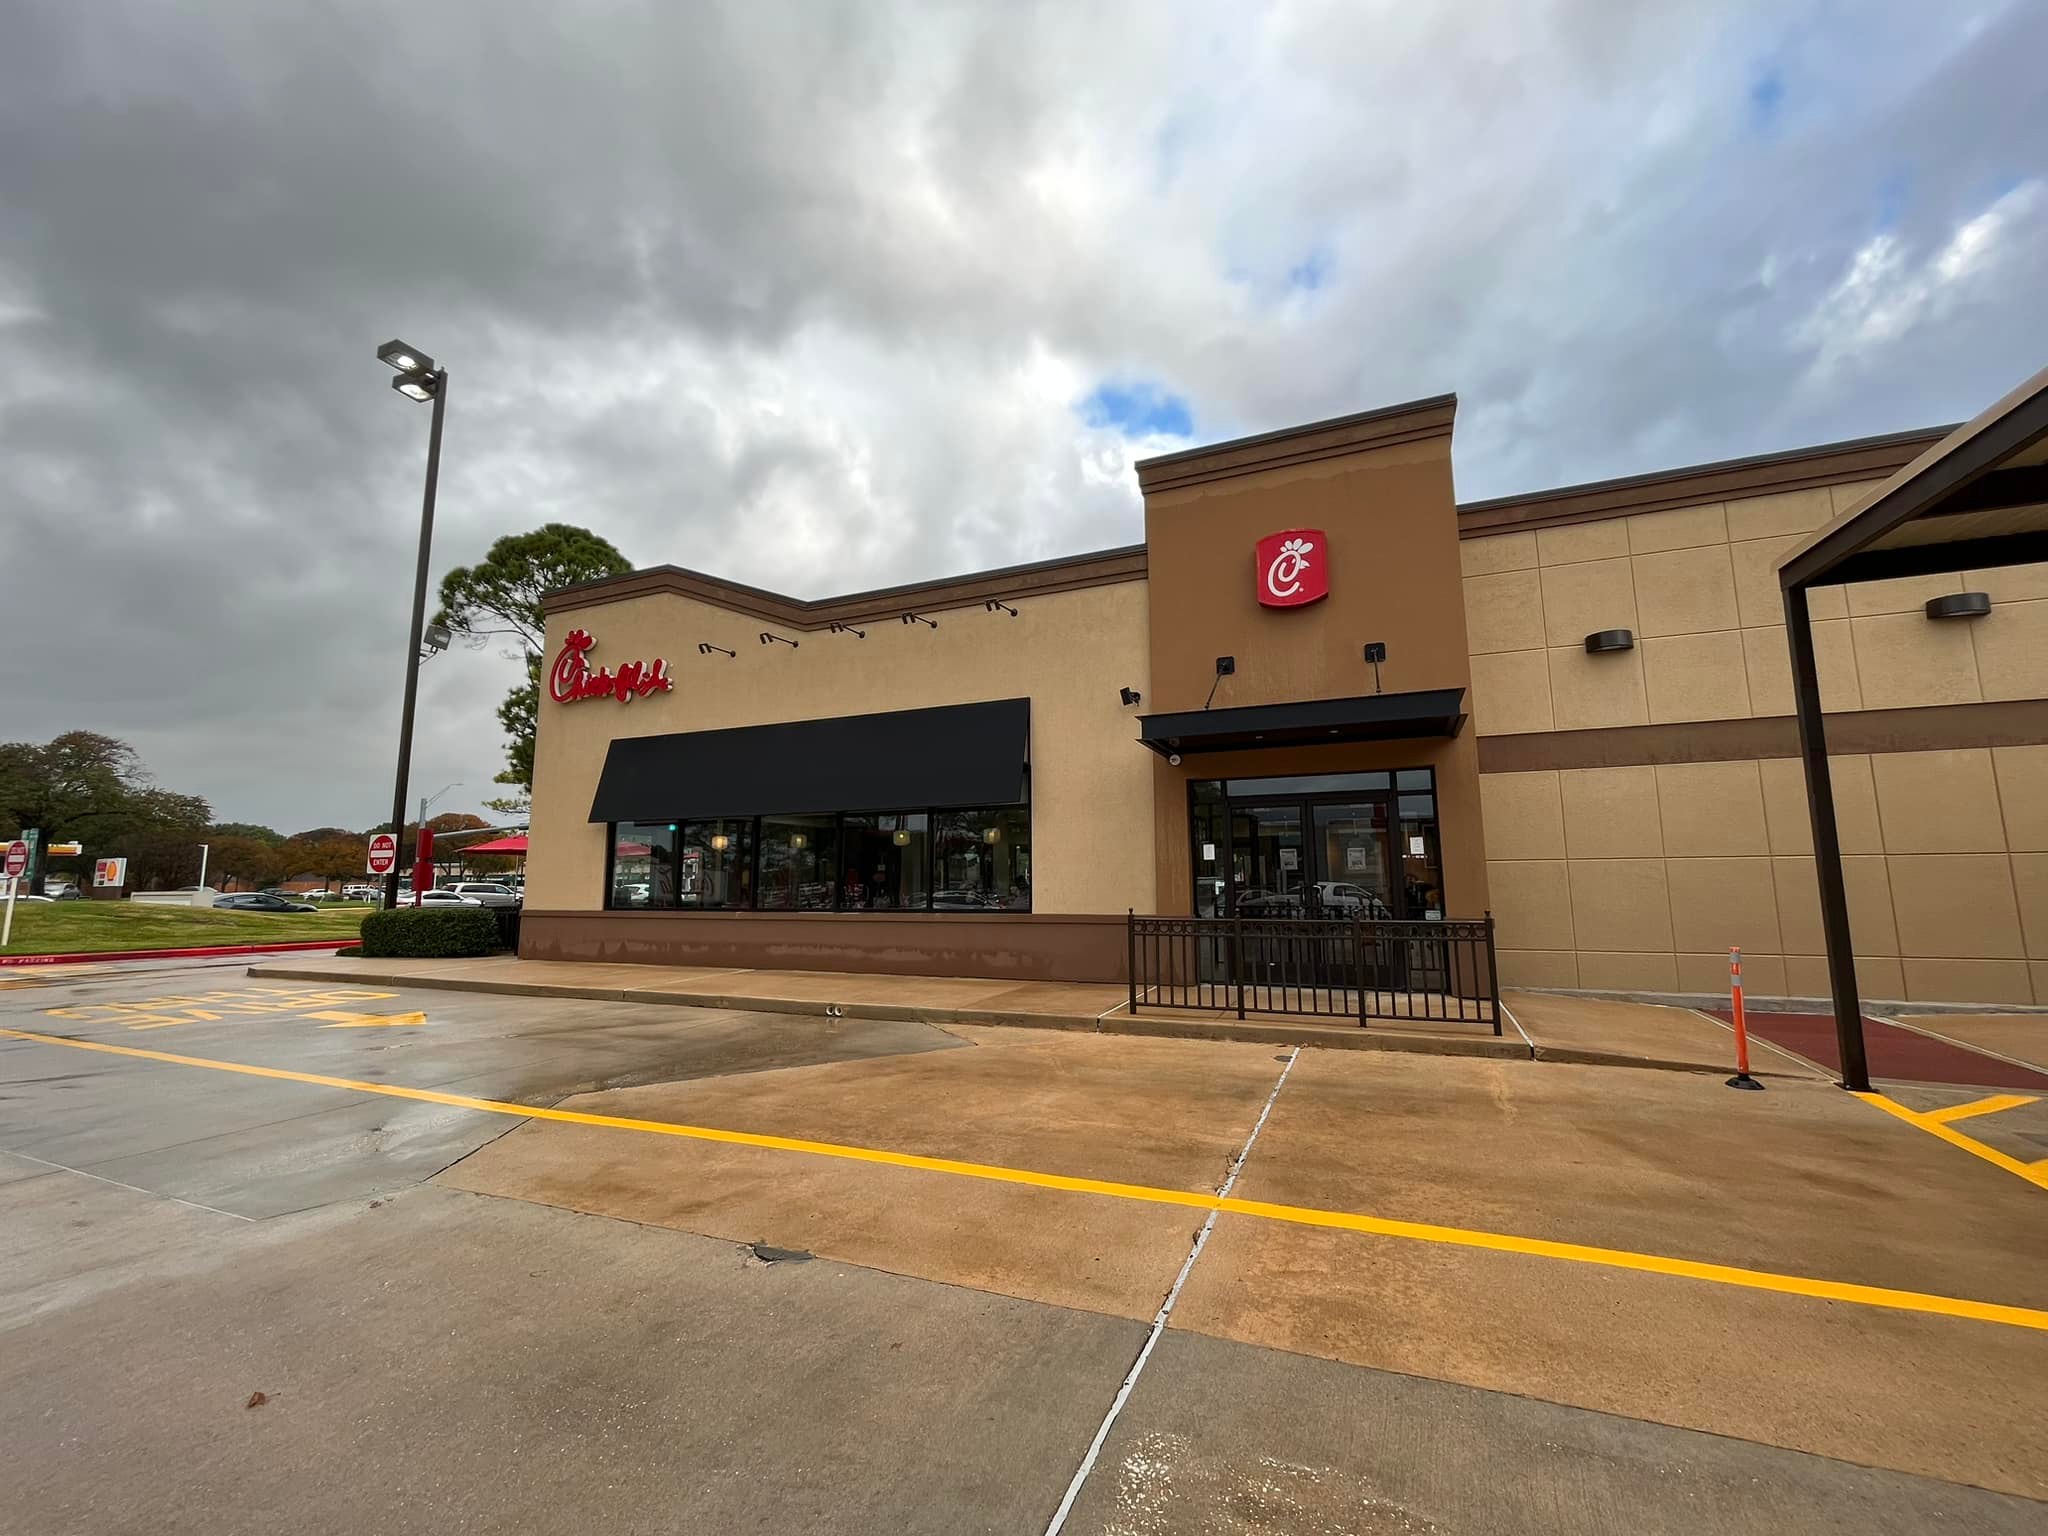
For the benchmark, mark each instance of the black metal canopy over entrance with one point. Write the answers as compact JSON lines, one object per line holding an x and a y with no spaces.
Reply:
{"x":1309,"y":722}
{"x":1975,"y":500}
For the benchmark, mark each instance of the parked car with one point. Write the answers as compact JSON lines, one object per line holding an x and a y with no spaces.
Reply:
{"x":438,"y":899}
{"x":486,"y":893}
{"x":1339,"y":898}
{"x":362,"y":893}
{"x":260,"y":901}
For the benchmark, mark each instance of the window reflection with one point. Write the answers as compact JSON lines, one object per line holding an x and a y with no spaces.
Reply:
{"x":643,"y":864}
{"x":981,"y":860}
{"x":799,"y":863}
{"x":884,"y":857}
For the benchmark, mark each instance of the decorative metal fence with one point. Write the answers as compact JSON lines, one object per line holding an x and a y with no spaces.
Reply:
{"x":1332,"y":967}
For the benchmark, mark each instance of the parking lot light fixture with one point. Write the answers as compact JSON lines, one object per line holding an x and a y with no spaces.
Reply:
{"x":419,"y":378}
{"x":418,"y":386}
{"x":404,"y":358}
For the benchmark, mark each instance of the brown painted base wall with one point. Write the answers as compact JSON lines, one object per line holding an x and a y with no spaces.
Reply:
{"x":1035,"y":947}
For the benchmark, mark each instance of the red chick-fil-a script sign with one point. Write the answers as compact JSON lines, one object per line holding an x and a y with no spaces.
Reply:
{"x":1292,"y":568}
{"x":572,"y":681}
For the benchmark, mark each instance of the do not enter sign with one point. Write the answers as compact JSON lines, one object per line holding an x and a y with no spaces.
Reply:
{"x":17,"y":859}
{"x":383,"y":853}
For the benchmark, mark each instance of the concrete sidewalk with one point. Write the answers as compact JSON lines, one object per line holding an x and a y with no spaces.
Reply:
{"x":1540,"y":1026}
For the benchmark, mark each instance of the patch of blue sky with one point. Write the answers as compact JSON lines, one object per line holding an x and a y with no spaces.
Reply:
{"x":1138,"y":408}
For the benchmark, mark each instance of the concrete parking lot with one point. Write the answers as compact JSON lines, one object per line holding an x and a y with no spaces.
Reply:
{"x":308,"y":1256}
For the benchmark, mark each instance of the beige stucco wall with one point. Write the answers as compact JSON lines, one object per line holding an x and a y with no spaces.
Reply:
{"x":1068,"y":652}
{"x":1641,"y":877}
{"x":1699,"y":587}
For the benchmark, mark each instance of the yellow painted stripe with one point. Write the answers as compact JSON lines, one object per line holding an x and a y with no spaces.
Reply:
{"x":2034,"y":1173}
{"x":1969,"y":1111}
{"x":1297,"y":1215}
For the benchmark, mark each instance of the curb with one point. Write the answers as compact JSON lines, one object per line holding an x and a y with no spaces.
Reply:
{"x":1145,"y":1025}
{"x":87,"y":956}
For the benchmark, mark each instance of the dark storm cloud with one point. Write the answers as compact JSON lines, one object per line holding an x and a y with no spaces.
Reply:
{"x":817,"y":295}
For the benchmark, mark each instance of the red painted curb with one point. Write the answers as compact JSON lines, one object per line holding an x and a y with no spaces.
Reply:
{"x":173,"y":954}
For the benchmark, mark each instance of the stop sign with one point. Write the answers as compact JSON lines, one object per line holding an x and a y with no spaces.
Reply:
{"x":383,"y":853}
{"x":17,"y":859}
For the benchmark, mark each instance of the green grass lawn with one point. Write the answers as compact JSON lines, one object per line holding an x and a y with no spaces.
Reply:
{"x":67,"y":927}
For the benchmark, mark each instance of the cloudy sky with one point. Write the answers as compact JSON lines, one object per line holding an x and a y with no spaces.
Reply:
{"x":824,"y":296}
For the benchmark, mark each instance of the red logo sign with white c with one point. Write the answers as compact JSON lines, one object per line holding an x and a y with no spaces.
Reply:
{"x":1292,"y":568}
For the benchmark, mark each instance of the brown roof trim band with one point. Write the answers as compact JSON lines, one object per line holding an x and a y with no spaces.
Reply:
{"x":1938,"y":727}
{"x":1864,"y":458}
{"x":1038,"y":579}
{"x":1411,"y":421}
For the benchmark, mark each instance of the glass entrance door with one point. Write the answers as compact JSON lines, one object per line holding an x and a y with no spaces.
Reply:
{"x":1268,"y":866}
{"x":1349,"y":839}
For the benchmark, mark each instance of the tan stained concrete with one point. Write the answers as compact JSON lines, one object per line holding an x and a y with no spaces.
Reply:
{"x":1157,"y":1113}
{"x":1587,"y":1029}
{"x":1801,"y":1179}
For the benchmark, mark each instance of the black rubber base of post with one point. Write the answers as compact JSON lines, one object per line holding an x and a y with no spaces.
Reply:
{"x":1744,"y":1080}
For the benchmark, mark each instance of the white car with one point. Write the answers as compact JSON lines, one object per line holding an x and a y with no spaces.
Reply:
{"x":437,"y":899}
{"x":487,"y":893}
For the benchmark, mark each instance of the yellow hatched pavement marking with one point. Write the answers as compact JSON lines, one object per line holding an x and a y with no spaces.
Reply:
{"x":1299,"y":1215}
{"x":1976,"y":1107}
{"x":340,"y":1020}
{"x":2034,"y":1173}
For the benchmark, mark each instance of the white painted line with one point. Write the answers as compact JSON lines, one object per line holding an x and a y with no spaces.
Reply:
{"x":1962,"y":1045}
{"x":1123,"y":1393}
{"x":1503,"y":1007}
{"x":155,"y":1194}
{"x":1811,"y":1066}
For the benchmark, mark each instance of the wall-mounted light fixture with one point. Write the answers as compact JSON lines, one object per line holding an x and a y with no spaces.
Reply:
{"x":719,"y":841}
{"x":992,"y":834}
{"x":1959,"y":605}
{"x":1375,"y":653}
{"x":918,"y":618}
{"x":1225,"y":666}
{"x":1602,"y":641}
{"x":769,"y":637}
{"x":996,"y":603}
{"x":798,"y":841}
{"x":902,"y":839}
{"x":838,"y":628}
{"x":705,"y":648}
{"x":1130,"y":696}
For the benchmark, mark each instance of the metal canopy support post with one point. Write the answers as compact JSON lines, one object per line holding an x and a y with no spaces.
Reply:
{"x":1827,"y":845}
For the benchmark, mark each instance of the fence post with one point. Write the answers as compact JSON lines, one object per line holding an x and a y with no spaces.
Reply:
{"x":1492,"y":972}
{"x":1131,"y":954}
{"x":1237,"y":956}
{"x":1358,"y":971}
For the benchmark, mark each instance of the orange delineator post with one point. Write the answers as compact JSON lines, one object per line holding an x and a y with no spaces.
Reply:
{"x":1741,"y":1079}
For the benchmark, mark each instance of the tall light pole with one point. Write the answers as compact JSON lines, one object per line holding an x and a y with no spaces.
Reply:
{"x":418,"y":379}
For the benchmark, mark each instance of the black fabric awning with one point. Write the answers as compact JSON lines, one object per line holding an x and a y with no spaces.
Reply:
{"x":1372,"y":717}
{"x":958,"y":754}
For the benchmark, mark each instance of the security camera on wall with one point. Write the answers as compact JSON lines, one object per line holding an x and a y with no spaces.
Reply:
{"x":1173,"y":759}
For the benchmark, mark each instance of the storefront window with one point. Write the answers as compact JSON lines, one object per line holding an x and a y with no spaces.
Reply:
{"x":981,"y":860}
{"x":1211,"y":845}
{"x":715,"y":863}
{"x":1421,"y":860}
{"x":884,"y":858}
{"x":643,"y":864}
{"x":799,"y":863}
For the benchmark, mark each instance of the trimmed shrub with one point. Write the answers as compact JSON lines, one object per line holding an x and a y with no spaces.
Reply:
{"x":422,"y":933}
